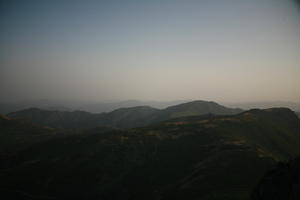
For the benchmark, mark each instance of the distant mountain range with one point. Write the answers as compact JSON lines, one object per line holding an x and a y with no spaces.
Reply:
{"x":120,"y":118}
{"x":93,"y":107}
{"x":109,"y":106}
{"x":267,"y":104}
{"x":193,"y":157}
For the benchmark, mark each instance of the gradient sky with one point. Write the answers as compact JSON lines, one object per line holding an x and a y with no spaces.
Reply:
{"x":221,"y":50}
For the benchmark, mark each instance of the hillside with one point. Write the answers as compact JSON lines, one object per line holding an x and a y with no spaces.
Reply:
{"x":8,"y":107}
{"x":120,"y":118}
{"x":57,"y":119}
{"x":268,"y":104}
{"x":197,"y":157}
{"x":111,"y":106}
{"x":282,"y":182}
{"x":16,"y":134}
{"x":87,"y":106}
{"x":196,"y":108}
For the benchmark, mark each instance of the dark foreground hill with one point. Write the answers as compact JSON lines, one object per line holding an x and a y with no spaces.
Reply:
{"x":120,"y":118}
{"x":199,"y":157}
{"x":280,"y":183}
{"x":16,"y":134}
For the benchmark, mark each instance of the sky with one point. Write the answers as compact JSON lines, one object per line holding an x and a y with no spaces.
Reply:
{"x":220,"y":50}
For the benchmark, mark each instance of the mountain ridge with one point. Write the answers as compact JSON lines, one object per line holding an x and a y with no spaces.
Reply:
{"x":194,"y":157}
{"x":122,"y":117}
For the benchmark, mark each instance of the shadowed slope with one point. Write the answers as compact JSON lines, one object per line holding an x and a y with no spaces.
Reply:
{"x":200,"y":157}
{"x":280,"y":183}
{"x":16,"y":134}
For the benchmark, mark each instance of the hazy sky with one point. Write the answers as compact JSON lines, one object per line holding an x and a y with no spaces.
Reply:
{"x":221,"y":50}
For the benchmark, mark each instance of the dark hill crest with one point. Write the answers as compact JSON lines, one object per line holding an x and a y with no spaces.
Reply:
{"x":121,"y":118}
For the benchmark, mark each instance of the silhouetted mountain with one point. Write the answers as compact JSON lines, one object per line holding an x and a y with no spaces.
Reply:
{"x":111,"y":106}
{"x":198,"y":108}
{"x":280,"y":183}
{"x":268,"y":104}
{"x":123,"y":118}
{"x":92,"y":107}
{"x":57,"y":119}
{"x":120,"y":118}
{"x":8,"y":107}
{"x":16,"y":134}
{"x":195,"y":157}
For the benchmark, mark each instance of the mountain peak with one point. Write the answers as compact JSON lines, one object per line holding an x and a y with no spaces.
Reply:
{"x":201,"y":107}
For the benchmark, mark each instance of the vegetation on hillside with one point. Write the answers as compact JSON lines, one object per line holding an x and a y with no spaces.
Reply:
{"x":196,"y":157}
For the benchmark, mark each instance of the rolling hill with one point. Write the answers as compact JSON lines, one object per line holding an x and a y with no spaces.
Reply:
{"x":194,"y":157}
{"x":268,"y":104}
{"x":120,"y":118}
